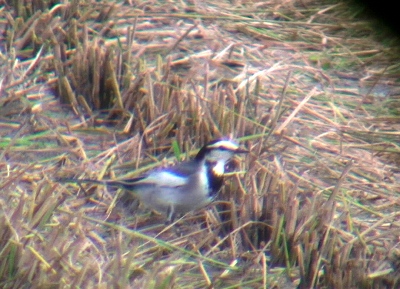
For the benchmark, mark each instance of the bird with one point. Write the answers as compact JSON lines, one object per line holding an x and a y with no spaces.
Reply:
{"x":184,"y":187}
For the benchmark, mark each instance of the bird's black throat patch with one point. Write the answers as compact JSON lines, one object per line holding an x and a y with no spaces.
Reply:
{"x":215,"y":181}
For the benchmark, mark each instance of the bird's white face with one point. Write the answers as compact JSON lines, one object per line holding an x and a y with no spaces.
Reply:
{"x":216,"y":153}
{"x":221,"y":152}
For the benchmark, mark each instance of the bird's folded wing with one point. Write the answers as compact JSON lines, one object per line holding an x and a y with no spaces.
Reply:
{"x":163,"y":179}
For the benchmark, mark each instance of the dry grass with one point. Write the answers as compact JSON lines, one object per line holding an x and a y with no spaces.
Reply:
{"x":109,"y":90}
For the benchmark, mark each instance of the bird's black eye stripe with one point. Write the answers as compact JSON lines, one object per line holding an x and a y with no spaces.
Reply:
{"x":218,"y":149}
{"x":224,"y":149}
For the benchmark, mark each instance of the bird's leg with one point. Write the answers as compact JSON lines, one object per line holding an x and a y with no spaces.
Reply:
{"x":171,"y":215}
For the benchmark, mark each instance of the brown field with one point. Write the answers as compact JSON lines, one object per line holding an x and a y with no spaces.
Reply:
{"x":111,"y":89}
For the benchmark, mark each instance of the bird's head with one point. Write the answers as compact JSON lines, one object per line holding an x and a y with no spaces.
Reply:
{"x":219,"y":151}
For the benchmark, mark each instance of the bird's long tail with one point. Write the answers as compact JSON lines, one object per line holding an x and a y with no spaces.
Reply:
{"x":128,"y":184}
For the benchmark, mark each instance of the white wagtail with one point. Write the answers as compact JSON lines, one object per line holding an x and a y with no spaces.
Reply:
{"x":184,"y":187}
